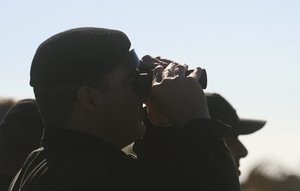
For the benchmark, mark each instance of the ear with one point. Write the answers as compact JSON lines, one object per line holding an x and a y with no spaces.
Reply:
{"x":87,"y":98}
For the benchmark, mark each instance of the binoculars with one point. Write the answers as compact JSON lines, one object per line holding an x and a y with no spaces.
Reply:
{"x":144,"y":79}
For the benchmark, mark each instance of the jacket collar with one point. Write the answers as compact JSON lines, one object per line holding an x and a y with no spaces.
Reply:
{"x":69,"y":140}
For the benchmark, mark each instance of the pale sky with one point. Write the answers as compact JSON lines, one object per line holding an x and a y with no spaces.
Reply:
{"x":249,"y":48}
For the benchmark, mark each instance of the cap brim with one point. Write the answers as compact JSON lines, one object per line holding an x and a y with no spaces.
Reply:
{"x":248,"y":126}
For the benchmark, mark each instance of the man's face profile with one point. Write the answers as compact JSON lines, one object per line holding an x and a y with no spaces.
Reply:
{"x":237,"y":149}
{"x":121,"y":104}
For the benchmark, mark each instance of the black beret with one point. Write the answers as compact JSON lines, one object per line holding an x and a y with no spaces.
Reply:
{"x":77,"y":54}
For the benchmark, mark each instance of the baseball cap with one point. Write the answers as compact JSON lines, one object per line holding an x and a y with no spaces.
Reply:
{"x":77,"y":54}
{"x":221,"y":109}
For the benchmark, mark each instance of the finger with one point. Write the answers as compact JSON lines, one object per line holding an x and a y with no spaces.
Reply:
{"x":146,"y":66}
{"x":149,"y":62}
{"x":168,"y":61}
{"x":148,"y":58}
{"x":158,"y":61}
{"x":196,"y":73}
{"x":157,"y":74}
{"x":180,"y":70}
{"x":168,"y":71}
{"x":164,"y":60}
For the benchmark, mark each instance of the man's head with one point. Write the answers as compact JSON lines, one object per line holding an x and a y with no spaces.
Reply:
{"x":83,"y":79}
{"x":221,"y":109}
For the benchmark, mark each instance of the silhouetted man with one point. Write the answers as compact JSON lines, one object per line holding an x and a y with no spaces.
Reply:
{"x":88,"y":87}
{"x":221,"y":109}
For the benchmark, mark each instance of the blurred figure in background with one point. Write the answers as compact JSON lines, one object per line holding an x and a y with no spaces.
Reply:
{"x":271,"y":176}
{"x":221,"y":109}
{"x":5,"y":104}
{"x":20,"y":133}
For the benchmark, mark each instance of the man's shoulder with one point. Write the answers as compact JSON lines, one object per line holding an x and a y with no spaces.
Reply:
{"x":72,"y":170}
{"x":95,"y":162}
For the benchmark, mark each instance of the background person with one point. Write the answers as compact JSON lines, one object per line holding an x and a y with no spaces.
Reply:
{"x":5,"y":104}
{"x":20,"y":133}
{"x":221,"y":109}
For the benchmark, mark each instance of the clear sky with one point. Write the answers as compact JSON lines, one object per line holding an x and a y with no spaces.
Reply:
{"x":250,"y":50}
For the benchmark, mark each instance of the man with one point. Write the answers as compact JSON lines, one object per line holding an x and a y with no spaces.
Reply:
{"x":89,"y":92}
{"x":20,"y":133}
{"x":221,"y":109}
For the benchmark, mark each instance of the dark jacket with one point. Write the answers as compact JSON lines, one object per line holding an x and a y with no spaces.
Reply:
{"x":190,"y":158}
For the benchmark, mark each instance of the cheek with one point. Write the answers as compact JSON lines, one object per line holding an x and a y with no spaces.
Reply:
{"x":131,"y":105}
{"x":231,"y":148}
{"x":132,"y":101}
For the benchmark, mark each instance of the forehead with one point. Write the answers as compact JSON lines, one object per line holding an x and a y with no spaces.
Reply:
{"x":123,"y":71}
